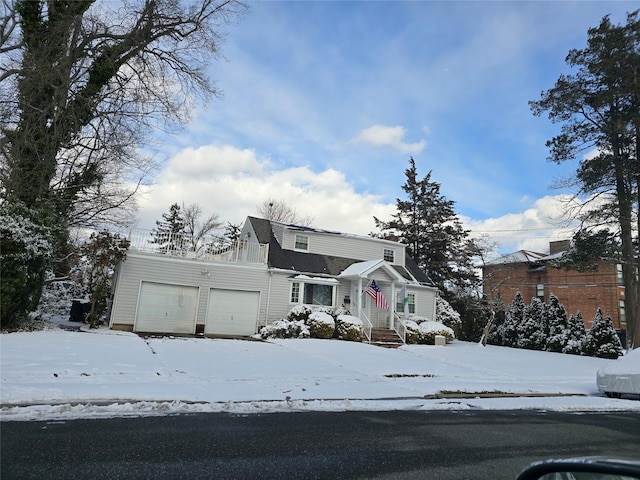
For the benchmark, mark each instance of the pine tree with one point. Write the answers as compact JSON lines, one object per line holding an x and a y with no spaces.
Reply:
{"x":557,"y":324}
{"x":427,"y":223}
{"x":531,"y":333}
{"x":169,"y":232}
{"x":575,"y":335}
{"x":602,"y":340}
{"x":495,"y":334}
{"x":513,"y":321}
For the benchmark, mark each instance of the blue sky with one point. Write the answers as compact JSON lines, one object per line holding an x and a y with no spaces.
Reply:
{"x":324,"y":102}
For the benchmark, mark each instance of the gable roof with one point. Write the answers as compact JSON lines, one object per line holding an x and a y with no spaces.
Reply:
{"x":521,"y":256}
{"x":318,"y":264}
{"x":364,"y":269}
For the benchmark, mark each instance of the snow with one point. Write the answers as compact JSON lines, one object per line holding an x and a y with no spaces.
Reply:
{"x":61,"y":374}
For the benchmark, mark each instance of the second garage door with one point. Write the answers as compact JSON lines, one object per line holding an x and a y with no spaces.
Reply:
{"x":232,"y":312}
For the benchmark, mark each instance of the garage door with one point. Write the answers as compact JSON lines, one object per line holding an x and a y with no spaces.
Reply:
{"x":164,"y":308}
{"x":232,"y":312}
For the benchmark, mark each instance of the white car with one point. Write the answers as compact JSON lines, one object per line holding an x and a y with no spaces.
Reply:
{"x":621,"y":378}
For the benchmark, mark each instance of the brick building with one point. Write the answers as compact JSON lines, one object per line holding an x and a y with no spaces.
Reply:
{"x":531,"y":274}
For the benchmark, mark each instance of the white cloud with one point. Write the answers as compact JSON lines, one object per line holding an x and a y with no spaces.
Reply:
{"x":232,"y":182}
{"x":382,"y":136}
{"x":531,"y":229}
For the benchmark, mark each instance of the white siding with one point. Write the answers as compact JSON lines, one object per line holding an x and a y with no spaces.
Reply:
{"x":347,"y":246}
{"x":139,"y":268}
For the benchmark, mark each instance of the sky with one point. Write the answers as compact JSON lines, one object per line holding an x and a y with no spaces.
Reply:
{"x":60,"y":374}
{"x":322,"y":104}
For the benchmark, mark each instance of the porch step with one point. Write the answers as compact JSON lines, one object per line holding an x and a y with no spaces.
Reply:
{"x":383,"y":337}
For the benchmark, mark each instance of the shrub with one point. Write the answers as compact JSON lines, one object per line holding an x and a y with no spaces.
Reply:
{"x":412,"y":331}
{"x":299,"y":312}
{"x":285,"y":329}
{"x":349,"y":328}
{"x":321,"y":325}
{"x":427,"y":332}
{"x":26,"y":249}
{"x":446,"y":315}
{"x":57,"y":297}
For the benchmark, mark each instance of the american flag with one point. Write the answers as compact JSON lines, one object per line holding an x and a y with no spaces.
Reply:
{"x":374,"y":292}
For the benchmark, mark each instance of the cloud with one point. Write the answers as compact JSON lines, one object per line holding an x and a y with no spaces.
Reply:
{"x":382,"y":136}
{"x":532,"y":229}
{"x":231,"y":182}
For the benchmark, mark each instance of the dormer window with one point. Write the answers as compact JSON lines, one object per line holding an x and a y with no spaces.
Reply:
{"x":301,"y":243}
{"x":388,"y":255}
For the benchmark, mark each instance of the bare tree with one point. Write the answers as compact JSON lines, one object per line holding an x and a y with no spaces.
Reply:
{"x":82,"y":83}
{"x":197,"y":229}
{"x":279,"y":211}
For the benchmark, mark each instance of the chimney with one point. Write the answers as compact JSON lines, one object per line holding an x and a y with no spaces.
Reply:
{"x":559,"y":246}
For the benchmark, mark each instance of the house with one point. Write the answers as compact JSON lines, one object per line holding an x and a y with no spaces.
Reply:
{"x":232,"y":290}
{"x":532,"y":274}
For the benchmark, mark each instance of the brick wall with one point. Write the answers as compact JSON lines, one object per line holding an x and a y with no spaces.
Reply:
{"x":584,"y":291}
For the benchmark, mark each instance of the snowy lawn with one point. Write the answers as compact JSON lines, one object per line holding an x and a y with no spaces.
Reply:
{"x":62,"y":374}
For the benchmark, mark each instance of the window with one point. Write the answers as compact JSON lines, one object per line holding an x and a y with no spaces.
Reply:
{"x":302,"y":243}
{"x":623,"y":318}
{"x":619,"y":273}
{"x":295,"y":292}
{"x":312,"y":293}
{"x":388,"y":255}
{"x":411,"y":303}
{"x":540,"y":291}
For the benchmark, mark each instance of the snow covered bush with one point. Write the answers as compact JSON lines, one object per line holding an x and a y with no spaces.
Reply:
{"x":575,"y":335}
{"x":299,"y":312}
{"x":446,"y":315}
{"x":428,"y":330}
{"x":321,"y":325}
{"x":349,"y":328}
{"x":412,"y":332}
{"x":423,"y":330}
{"x":557,"y":324}
{"x":57,"y":297}
{"x":285,"y":329}
{"x":530,"y":333}
{"x":602,"y":340}
{"x":25,"y":252}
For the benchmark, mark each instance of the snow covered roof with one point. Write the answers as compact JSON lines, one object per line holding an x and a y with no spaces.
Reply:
{"x":363,"y":269}
{"x":521,"y":256}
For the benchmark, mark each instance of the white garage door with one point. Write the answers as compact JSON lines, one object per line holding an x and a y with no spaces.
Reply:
{"x":164,"y":308}
{"x":232,"y":312}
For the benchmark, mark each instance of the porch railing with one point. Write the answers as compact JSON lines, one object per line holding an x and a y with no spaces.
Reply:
{"x":367,"y":326}
{"x":206,"y":248}
{"x":400,"y":327}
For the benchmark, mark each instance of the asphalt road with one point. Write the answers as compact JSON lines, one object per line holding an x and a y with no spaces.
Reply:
{"x":386,"y":445}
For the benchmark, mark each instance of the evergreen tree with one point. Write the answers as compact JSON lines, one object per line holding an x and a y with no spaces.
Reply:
{"x":531,"y":333}
{"x":427,"y":223}
{"x":557,"y":324}
{"x":495,"y":335}
{"x":169,"y":232}
{"x":602,"y":340}
{"x":513,"y":321}
{"x":599,"y":109}
{"x":575,"y":335}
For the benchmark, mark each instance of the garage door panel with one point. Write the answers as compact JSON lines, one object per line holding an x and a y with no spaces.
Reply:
{"x":166,"y":308}
{"x":232,"y":312}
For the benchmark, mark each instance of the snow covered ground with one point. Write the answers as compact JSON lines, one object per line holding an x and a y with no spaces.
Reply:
{"x":58,"y":374}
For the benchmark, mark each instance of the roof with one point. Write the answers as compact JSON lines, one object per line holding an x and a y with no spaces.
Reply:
{"x":317,"y":264}
{"x":521,"y":256}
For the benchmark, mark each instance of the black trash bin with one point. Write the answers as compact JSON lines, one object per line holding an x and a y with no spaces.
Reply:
{"x":79,"y":309}
{"x":622,"y":334}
